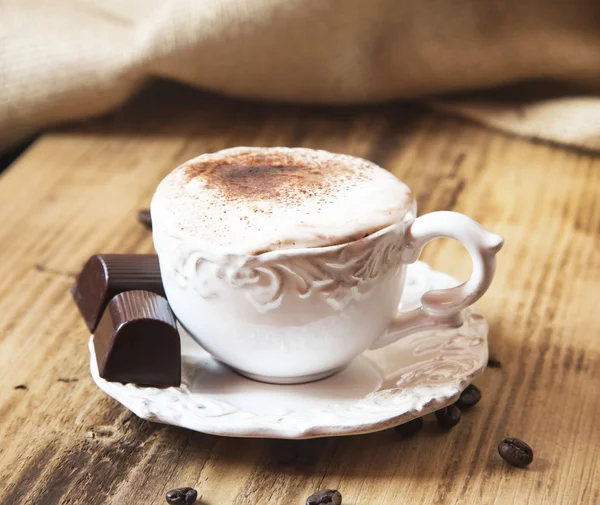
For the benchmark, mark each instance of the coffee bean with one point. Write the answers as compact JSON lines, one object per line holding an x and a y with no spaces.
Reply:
{"x":493,"y":363}
{"x":515,"y":452}
{"x":469,"y":397}
{"x":325,"y":496}
{"x":448,"y":417}
{"x":182,"y":496}
{"x":410,"y":428}
{"x":144,"y":218}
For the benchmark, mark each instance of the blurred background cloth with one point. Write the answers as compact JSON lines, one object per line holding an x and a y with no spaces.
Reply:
{"x":62,"y":60}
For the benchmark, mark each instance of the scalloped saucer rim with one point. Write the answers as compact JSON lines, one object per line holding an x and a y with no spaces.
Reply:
{"x":378,"y":390}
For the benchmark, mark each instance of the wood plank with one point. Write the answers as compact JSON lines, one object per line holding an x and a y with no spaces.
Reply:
{"x":76,"y":192}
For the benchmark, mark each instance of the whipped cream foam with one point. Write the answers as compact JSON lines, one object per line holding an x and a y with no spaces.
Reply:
{"x":249,"y":200}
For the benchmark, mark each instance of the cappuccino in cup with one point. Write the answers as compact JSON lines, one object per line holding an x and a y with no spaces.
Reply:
{"x":286,"y":263}
{"x":253,"y":200}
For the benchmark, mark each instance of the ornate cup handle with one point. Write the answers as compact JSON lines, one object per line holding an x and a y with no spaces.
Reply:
{"x":442,"y":308}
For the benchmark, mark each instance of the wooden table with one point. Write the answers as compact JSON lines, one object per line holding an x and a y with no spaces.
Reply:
{"x":76,"y":192}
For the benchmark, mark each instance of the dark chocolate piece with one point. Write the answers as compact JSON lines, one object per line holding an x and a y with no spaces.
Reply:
{"x":145,"y":218}
{"x":137,"y":341}
{"x":106,"y":275}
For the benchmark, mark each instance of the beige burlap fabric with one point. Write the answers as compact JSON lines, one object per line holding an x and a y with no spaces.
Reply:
{"x":68,"y":59}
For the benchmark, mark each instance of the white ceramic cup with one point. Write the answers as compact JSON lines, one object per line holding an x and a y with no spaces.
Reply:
{"x":296,"y":315}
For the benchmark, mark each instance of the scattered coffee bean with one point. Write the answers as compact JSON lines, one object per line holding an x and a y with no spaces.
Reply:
{"x":493,"y":363}
{"x":448,"y":417}
{"x":182,"y":496}
{"x":469,"y":397}
{"x":515,"y":452}
{"x":410,"y":428}
{"x":144,"y":218}
{"x":325,"y":496}
{"x":21,"y":386}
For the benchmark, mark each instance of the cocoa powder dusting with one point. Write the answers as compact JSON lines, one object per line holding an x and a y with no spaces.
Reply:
{"x":255,"y":177}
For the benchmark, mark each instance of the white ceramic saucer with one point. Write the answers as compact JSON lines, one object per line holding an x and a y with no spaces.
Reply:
{"x":379,"y":389}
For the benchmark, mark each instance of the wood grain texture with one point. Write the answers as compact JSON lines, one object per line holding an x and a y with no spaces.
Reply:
{"x":76,"y":192}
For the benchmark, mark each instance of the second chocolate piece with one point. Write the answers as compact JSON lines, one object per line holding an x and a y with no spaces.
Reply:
{"x":106,"y":275}
{"x":137,"y":341}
